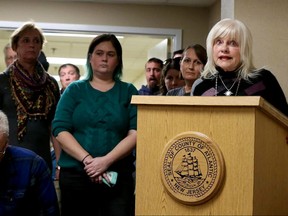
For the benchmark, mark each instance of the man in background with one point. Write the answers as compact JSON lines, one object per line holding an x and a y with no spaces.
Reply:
{"x":153,"y":70}
{"x":9,"y":55}
{"x":67,"y":74}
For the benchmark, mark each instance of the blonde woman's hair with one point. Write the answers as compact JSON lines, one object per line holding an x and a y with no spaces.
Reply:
{"x":234,"y":30}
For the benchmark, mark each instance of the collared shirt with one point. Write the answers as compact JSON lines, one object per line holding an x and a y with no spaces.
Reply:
{"x":26,"y":186}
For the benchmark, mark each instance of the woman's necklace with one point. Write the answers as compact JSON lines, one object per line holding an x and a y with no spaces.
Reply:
{"x":228,"y":92}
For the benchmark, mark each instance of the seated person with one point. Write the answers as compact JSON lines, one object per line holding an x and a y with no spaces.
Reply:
{"x":26,"y":187}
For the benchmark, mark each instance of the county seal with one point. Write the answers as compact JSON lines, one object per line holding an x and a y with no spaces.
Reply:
{"x":192,"y":168}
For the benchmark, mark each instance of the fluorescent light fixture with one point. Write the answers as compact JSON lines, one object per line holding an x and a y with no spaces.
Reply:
{"x":60,"y":61}
{"x":69,"y":35}
{"x":54,"y":34}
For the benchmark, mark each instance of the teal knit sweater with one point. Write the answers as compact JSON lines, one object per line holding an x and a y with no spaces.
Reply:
{"x":98,"y":120}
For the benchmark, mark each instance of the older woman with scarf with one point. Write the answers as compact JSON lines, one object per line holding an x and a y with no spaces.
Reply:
{"x":29,"y":95}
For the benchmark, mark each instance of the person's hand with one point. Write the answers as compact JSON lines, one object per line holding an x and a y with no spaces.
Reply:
{"x":96,"y":167}
{"x":96,"y":179}
{"x":99,"y":179}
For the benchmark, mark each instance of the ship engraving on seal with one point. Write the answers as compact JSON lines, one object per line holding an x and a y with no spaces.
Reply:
{"x":191,"y":168}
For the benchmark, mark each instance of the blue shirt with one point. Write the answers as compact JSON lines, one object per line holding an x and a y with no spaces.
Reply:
{"x":145,"y":90}
{"x":26,"y":186}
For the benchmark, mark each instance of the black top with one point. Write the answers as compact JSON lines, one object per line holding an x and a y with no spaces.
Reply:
{"x":264,"y":85}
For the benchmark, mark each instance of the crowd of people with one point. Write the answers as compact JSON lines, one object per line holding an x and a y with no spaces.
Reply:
{"x":91,"y":122}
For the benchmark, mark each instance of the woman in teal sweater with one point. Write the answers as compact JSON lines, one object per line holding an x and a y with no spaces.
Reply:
{"x":96,"y":127}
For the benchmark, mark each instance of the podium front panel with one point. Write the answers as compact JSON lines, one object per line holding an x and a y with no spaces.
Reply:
{"x":241,"y":132}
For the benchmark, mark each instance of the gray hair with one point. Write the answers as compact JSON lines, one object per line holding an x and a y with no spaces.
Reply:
{"x":4,"y":125}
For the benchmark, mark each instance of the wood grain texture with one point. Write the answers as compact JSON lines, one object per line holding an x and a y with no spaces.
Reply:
{"x":252,"y":141}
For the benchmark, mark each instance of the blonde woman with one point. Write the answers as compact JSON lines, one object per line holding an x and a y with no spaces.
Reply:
{"x":230,"y":70}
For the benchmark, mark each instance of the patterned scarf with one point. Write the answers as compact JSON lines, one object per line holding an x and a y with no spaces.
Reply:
{"x":34,"y":95}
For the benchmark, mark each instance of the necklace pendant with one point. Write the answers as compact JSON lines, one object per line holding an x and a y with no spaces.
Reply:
{"x":228,"y":93}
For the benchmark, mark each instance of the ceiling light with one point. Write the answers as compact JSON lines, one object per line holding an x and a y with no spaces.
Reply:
{"x":69,"y":35}
{"x":57,"y":34}
{"x":60,"y":61}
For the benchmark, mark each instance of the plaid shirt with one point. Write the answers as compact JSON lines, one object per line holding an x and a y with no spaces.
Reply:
{"x":26,"y":186}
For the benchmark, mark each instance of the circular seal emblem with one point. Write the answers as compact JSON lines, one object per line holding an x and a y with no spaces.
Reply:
{"x":192,"y":168}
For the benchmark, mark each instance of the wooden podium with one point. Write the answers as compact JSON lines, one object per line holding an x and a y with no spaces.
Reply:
{"x":251,"y":135}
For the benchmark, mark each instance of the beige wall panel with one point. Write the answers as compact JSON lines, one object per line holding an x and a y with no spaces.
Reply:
{"x":215,"y":13}
{"x":193,"y":21}
{"x":268,"y":21}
